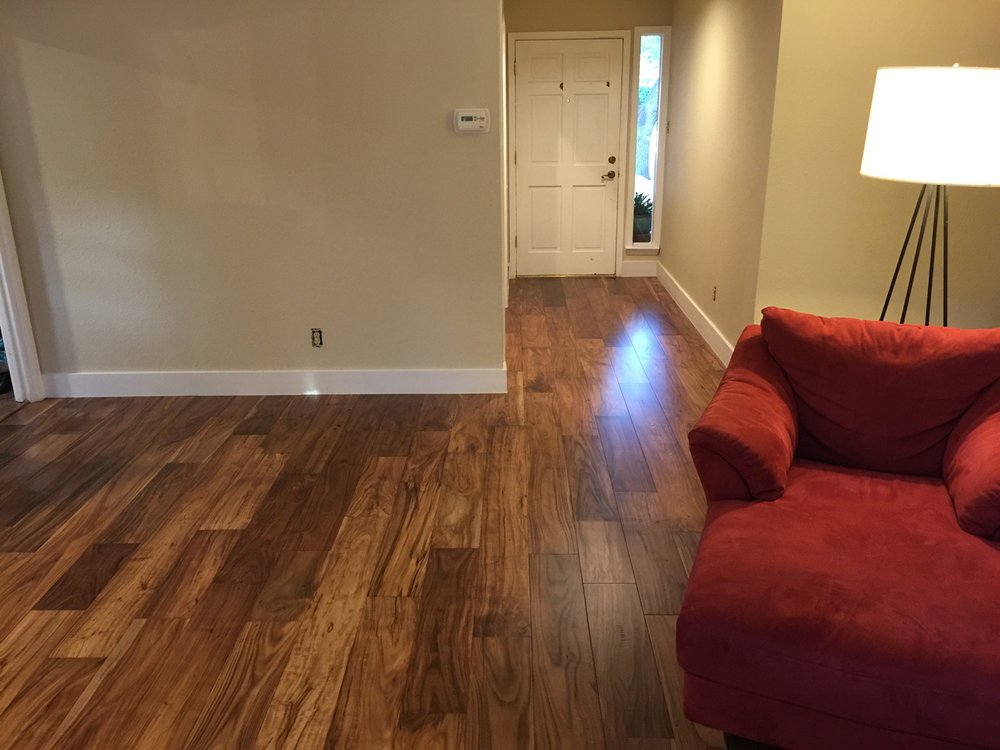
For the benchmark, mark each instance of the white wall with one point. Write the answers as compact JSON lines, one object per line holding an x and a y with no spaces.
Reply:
{"x":831,"y":237}
{"x":585,"y":15}
{"x":194,"y":186}
{"x":722,"y":80}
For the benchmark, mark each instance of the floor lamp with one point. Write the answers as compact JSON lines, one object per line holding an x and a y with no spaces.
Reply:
{"x":935,"y":127}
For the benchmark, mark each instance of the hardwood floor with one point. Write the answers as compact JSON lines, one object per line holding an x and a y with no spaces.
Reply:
{"x":363,"y":572}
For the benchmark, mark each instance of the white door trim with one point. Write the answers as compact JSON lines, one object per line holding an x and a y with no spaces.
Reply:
{"x":15,"y":322}
{"x":516,"y":36}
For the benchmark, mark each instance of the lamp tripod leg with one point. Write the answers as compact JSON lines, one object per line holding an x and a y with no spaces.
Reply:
{"x":916,"y":259}
{"x":906,"y":243}
{"x":944,"y":262}
{"x":930,"y":266}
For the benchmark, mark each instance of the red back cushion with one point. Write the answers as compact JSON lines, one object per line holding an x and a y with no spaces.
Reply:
{"x":879,"y":396}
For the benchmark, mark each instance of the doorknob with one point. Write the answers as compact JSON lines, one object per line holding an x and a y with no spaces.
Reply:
{"x":609,"y":176}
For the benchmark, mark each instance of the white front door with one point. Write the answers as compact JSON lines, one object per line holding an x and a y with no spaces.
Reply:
{"x":568,"y":99}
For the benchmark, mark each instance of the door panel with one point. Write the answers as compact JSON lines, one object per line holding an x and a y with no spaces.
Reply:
{"x":568,"y":101}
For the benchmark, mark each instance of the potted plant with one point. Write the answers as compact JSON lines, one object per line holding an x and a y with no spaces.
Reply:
{"x":642,"y":221}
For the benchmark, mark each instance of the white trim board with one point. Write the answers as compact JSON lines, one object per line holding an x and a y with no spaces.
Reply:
{"x":274,"y":383}
{"x":716,"y":341}
{"x":639,"y":268}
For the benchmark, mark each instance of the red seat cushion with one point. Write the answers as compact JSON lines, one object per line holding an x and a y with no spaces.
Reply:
{"x":855,"y":595}
{"x":879,"y":396}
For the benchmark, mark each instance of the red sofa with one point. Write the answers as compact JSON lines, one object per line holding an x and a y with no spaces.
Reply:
{"x":846,"y":592}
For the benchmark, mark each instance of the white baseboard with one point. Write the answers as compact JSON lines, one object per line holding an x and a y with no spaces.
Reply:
{"x":274,"y":383}
{"x":716,"y":341}
{"x":639,"y":268}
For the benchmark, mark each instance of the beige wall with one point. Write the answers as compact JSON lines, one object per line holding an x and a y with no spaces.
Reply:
{"x":831,"y":236}
{"x":585,"y":15}
{"x":196,"y":185}
{"x":722,"y":82}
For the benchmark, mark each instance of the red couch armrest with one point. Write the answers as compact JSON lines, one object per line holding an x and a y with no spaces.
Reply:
{"x":743,"y":444}
{"x":972,"y":466}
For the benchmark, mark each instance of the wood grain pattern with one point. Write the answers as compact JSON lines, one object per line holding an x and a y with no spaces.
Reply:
{"x":632,"y":701}
{"x":371,"y":699}
{"x":565,"y":705}
{"x":604,"y":556}
{"x":476,"y":571}
{"x":505,"y":708}
{"x":438,"y":678}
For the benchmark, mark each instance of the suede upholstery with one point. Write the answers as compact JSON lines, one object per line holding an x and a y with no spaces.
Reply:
{"x":855,"y":608}
{"x":876,"y":395}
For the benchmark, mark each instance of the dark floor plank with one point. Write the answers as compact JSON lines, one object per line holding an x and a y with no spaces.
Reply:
{"x":81,"y":584}
{"x":437,"y":681}
{"x":505,"y":710}
{"x":626,"y":462}
{"x":659,"y":570}
{"x":553,"y":294}
{"x":632,"y":702}
{"x":504,"y":600}
{"x":565,"y":705}
{"x":590,"y":490}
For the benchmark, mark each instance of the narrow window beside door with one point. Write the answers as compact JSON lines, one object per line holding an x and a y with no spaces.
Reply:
{"x":649,"y":131}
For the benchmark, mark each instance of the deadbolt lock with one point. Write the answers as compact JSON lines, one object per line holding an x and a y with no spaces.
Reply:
{"x":612,"y":160}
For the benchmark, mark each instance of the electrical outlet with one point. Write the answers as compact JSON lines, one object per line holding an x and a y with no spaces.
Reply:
{"x":715,"y":293}
{"x":317,"y":338}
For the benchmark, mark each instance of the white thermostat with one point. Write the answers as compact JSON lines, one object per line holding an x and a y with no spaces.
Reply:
{"x":472,"y":121}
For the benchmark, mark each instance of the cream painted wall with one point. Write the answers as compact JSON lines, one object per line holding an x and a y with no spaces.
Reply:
{"x":722,"y":82}
{"x":831,"y":237}
{"x":585,"y":15}
{"x":196,"y":185}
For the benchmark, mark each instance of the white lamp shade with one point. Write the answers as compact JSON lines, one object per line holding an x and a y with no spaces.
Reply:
{"x":935,"y":126}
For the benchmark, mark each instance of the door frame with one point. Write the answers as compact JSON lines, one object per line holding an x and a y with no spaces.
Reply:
{"x":15,"y":321}
{"x":542,"y":36}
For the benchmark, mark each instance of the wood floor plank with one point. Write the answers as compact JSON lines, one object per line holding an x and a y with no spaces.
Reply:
{"x":504,"y":600}
{"x":550,"y":509}
{"x":663,"y":638}
{"x":81,"y":584}
{"x":46,"y":699}
{"x":604,"y":556}
{"x":404,"y":552}
{"x":24,"y":649}
{"x":590,"y":490}
{"x":659,"y":570}
{"x":534,"y":332}
{"x":505,"y":711}
{"x":196,"y":567}
{"x":233,"y":507}
{"x":458,"y":521}
{"x":304,"y":702}
{"x":377,"y":486}
{"x":470,"y":433}
{"x":119,"y":712}
{"x":371,"y":698}
{"x":632,"y":702}
{"x":437,"y":681}
{"x":438,"y":412}
{"x":626,"y":462}
{"x":287,"y":594}
{"x":232,"y":714}
{"x":564,"y":701}
{"x":426,"y":459}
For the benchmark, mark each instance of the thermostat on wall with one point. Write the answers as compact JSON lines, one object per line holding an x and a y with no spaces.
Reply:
{"x":472,"y":121}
